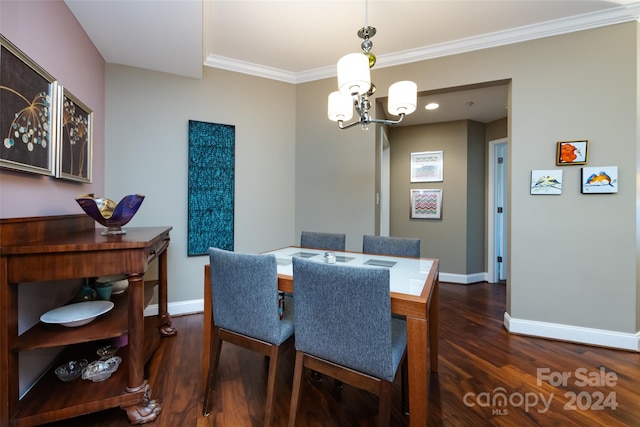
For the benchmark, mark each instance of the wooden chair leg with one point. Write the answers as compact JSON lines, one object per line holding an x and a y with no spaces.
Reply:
{"x":384,"y":405}
{"x":295,"y":391}
{"x":214,"y":358}
{"x":271,"y":384}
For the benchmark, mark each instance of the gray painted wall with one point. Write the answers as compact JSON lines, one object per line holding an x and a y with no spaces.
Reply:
{"x":457,"y":239}
{"x":335,"y":170}
{"x":476,"y":196}
{"x":147,"y":147}
{"x":496,"y":130}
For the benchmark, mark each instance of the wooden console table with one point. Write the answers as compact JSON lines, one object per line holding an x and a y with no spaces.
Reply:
{"x":43,"y":249}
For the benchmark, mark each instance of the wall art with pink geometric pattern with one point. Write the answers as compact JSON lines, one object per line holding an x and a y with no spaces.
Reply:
{"x":426,"y":204}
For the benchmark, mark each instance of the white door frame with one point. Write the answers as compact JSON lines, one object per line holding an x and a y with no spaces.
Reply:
{"x":384,"y":197}
{"x":492,"y":270}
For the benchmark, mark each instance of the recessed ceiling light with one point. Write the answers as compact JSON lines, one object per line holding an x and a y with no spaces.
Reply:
{"x":432,"y":106}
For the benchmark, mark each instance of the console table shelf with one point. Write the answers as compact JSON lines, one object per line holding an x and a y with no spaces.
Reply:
{"x":110,"y":325}
{"x":65,"y":247}
{"x":52,"y":400}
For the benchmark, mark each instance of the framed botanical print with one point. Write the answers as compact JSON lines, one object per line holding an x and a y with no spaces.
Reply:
{"x":27,"y":113}
{"x":75,"y":142}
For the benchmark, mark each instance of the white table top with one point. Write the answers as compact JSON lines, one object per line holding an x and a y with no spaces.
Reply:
{"x":408,"y":275}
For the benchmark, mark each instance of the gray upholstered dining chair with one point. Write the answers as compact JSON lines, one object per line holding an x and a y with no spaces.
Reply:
{"x":244,"y":291}
{"x":320,"y":240}
{"x":327,"y":241}
{"x":397,"y":246}
{"x":344,"y":330}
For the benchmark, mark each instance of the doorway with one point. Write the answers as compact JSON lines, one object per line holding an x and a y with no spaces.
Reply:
{"x":497,"y":215}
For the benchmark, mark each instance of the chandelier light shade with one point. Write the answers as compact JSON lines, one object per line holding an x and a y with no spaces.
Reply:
{"x":340,"y":106}
{"x":354,"y":76}
{"x":403,"y":97}
{"x":355,"y":88}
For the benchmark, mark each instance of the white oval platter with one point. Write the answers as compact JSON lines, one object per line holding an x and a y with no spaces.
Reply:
{"x":78,"y":314}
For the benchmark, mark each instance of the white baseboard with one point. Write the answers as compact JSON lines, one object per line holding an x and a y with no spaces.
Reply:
{"x":464,"y":279}
{"x":178,"y":308}
{"x":577,"y":334}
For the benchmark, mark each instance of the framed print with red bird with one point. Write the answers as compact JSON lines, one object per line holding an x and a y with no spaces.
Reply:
{"x":572,"y":152}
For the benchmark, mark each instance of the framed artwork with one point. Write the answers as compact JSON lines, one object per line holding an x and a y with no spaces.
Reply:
{"x":75,"y":141}
{"x":27,"y":113}
{"x":572,"y":152}
{"x":211,"y":187}
{"x":546,"y":182}
{"x":599,"y":180}
{"x":426,"y":204}
{"x":426,"y":166}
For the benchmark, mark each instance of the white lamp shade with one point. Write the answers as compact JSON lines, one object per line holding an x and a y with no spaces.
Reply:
{"x":403,"y":97}
{"x":353,"y":74}
{"x":340,"y":107}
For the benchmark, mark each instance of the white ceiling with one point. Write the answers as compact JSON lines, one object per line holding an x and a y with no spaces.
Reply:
{"x":301,"y":40}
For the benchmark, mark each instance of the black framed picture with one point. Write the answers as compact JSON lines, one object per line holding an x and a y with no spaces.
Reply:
{"x":27,"y":113}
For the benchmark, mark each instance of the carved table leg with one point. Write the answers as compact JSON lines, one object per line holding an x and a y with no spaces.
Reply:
{"x":165,"y":328}
{"x":164,"y":318}
{"x":145,"y":411}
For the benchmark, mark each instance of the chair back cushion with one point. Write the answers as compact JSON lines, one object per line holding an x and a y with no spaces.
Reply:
{"x":398,"y":246}
{"x":330,"y":241}
{"x":343,"y":315}
{"x":244,"y":290}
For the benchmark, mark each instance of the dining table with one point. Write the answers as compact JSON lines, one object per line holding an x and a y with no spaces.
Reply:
{"x":413,"y":286}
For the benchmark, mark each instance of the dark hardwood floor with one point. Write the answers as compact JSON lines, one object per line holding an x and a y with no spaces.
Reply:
{"x":480,"y":367}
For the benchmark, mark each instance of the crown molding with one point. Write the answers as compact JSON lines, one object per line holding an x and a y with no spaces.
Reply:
{"x":618,"y":15}
{"x":250,"y":68}
{"x":517,"y":35}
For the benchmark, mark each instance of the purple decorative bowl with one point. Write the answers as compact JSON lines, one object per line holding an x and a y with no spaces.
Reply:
{"x":108,"y":214}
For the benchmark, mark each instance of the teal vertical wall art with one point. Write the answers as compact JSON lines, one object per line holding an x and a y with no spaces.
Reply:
{"x":211,"y":187}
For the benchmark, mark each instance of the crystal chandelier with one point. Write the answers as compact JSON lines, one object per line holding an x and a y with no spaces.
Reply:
{"x":355,"y":88}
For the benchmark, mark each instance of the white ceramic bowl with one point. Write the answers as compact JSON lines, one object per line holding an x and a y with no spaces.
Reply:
{"x":78,"y":314}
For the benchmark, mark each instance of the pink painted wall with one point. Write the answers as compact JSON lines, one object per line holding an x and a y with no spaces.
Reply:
{"x":49,"y":34}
